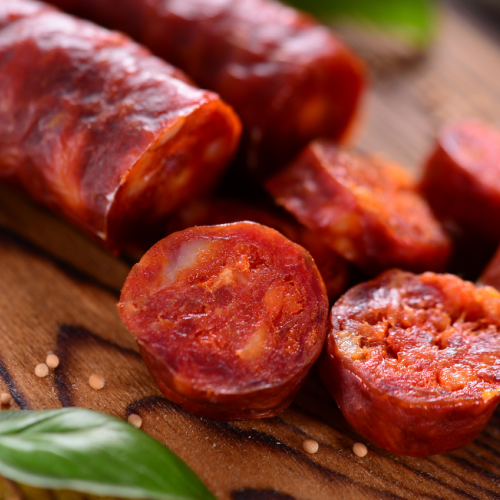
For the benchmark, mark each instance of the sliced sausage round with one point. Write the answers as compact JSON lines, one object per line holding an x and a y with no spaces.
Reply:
{"x":365,"y":208}
{"x":462,"y":177}
{"x":333,"y":269}
{"x":414,"y":361}
{"x":228,"y":318}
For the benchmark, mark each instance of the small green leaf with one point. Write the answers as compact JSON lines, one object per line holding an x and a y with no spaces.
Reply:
{"x":85,"y":451}
{"x":413,"y":20}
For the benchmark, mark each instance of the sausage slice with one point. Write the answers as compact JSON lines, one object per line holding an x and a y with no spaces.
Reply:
{"x":491,"y":274}
{"x":365,"y":208}
{"x":462,"y":177}
{"x":228,"y":318}
{"x":414,"y":361}
{"x":333,"y":269}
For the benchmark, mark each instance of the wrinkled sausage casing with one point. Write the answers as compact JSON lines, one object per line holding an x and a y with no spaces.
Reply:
{"x":229,"y":318}
{"x":414,"y":361}
{"x":365,"y":208}
{"x":462,"y":177}
{"x":333,"y":269}
{"x":288,"y":77}
{"x":96,"y":128}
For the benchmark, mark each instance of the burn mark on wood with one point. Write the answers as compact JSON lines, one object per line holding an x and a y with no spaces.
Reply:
{"x":14,"y":391}
{"x":69,"y":338}
{"x":243,"y":437}
{"x":10,"y":238}
{"x":251,"y":494}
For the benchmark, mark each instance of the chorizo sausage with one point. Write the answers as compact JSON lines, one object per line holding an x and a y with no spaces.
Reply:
{"x":462,"y":177}
{"x":228,"y":318}
{"x":13,"y":10}
{"x":333,"y":269}
{"x":99,"y":130}
{"x":365,"y":209}
{"x":289,"y":78}
{"x":491,"y":274}
{"x":414,"y":361}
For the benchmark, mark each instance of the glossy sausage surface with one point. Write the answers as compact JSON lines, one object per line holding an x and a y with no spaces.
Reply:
{"x":228,"y":318}
{"x":414,"y":361}
{"x":491,"y":274}
{"x":288,"y":77}
{"x":333,"y":269}
{"x":99,"y":130}
{"x":365,"y":208}
{"x":462,"y":177}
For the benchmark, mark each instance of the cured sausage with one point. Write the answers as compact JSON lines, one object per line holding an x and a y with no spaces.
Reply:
{"x":364,"y":208}
{"x":289,"y":79}
{"x":13,"y":10}
{"x":414,"y":361}
{"x":99,"y":130}
{"x":228,"y":318}
{"x":333,"y":269}
{"x":491,"y":274}
{"x":462,"y":177}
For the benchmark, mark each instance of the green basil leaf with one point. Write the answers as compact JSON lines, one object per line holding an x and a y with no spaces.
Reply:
{"x":85,"y":451}
{"x":412,"y":20}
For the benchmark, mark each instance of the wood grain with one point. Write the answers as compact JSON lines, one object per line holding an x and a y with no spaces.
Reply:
{"x":413,"y":95}
{"x":58,"y":293}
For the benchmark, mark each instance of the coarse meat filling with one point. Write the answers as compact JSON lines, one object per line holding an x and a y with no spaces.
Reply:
{"x":430,"y":337}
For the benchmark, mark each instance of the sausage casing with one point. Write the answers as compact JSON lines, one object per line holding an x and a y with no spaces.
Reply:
{"x":414,"y":361}
{"x":462,"y":177}
{"x":288,"y":77}
{"x":365,"y":208}
{"x":228,"y":318}
{"x":333,"y":269}
{"x":99,"y":130}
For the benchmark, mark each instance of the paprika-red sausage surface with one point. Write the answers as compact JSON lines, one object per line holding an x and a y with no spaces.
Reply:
{"x":333,"y":269}
{"x":414,"y":361}
{"x":228,"y":318}
{"x":365,"y":208}
{"x":13,"y":10}
{"x":491,"y":274}
{"x":288,"y":77}
{"x":462,"y":177}
{"x":99,"y":130}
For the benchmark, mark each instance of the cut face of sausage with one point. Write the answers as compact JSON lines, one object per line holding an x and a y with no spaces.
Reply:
{"x":414,"y":361}
{"x":228,"y":318}
{"x":365,"y":209}
{"x":96,"y":128}
{"x":462,"y":177}
{"x":288,"y":77}
{"x":333,"y":268}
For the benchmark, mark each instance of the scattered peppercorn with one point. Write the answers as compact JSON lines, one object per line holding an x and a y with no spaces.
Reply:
{"x":52,"y":361}
{"x":310,"y":445}
{"x":5,"y":398}
{"x":135,"y":420}
{"x":41,"y":370}
{"x":360,"y":450}
{"x":96,"y":381}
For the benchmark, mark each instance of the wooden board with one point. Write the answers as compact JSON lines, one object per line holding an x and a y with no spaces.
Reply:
{"x":58,"y":293}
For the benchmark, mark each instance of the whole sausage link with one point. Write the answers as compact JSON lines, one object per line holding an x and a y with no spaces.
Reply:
{"x":99,"y":130}
{"x":287,"y":76}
